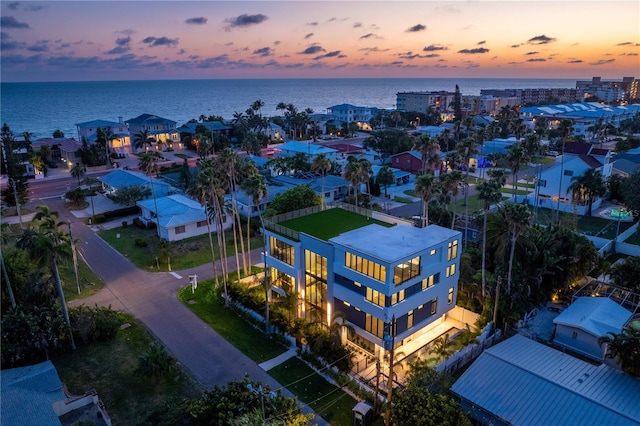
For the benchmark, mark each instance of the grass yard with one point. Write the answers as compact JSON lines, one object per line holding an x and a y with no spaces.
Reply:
{"x":251,"y":341}
{"x":328,"y":400}
{"x":90,"y":284}
{"x":402,"y":200}
{"x":108,"y":367}
{"x":410,"y":193}
{"x":330,"y":223}
{"x":183,"y":156}
{"x":183,"y":254}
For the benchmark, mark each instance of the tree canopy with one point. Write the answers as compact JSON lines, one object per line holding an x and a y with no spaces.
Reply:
{"x":297,"y":198}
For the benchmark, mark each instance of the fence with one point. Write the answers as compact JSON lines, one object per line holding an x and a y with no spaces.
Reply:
{"x":470,"y":352}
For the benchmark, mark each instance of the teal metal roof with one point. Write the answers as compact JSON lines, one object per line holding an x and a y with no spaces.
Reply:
{"x":175,"y":210}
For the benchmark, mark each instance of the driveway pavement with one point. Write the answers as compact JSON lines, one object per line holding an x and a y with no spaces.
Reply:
{"x":151,"y":298}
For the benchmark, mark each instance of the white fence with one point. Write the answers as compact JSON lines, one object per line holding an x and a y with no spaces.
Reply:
{"x":470,"y":352}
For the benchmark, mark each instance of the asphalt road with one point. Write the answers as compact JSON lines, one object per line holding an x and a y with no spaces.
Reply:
{"x":151,"y":298}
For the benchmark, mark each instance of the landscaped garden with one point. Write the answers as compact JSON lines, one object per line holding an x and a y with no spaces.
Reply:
{"x":142,"y":246}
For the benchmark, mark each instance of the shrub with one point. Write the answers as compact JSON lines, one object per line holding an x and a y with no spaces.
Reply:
{"x":94,"y":324}
{"x":140,"y":242}
{"x":99,"y":218}
{"x":138,"y":223}
{"x":124,"y":223}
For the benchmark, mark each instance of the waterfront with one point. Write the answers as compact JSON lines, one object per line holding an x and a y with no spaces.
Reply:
{"x":43,"y":107}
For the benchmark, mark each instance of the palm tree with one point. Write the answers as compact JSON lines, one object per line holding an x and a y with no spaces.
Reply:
{"x":203,"y":188}
{"x":451,"y":184}
{"x":351,"y":175}
{"x":142,"y":139}
{"x":229,"y":175}
{"x":322,"y":165}
{"x":429,"y":150}
{"x":148,"y":164}
{"x":625,"y":348}
{"x":586,"y":187}
{"x":518,"y":219}
{"x":467,"y":149}
{"x":489,"y":192}
{"x":499,"y":176}
{"x":425,"y":186}
{"x":77,"y":172}
{"x":385,"y":178}
{"x":516,"y":157}
{"x":47,"y":246}
{"x":517,"y":128}
{"x":256,"y":188}
{"x":565,"y":128}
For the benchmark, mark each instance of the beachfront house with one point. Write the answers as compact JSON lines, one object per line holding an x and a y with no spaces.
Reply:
{"x":553,"y":183}
{"x":311,"y":150}
{"x":160,"y":131}
{"x":120,"y":140}
{"x":179,"y":217}
{"x":351,"y":113}
{"x":62,"y":150}
{"x":187,"y":131}
{"x":373,"y":268}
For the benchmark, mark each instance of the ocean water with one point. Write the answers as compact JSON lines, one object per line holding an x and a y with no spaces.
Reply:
{"x":41,"y":108}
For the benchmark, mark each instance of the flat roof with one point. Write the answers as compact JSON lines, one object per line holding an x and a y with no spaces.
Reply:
{"x":524,"y":382}
{"x":393,"y":244}
{"x":330,"y":223}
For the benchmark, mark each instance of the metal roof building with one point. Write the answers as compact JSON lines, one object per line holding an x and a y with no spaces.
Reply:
{"x":522,"y":382}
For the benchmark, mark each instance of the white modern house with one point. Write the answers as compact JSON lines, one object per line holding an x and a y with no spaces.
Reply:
{"x":160,"y":130}
{"x":180,"y":217}
{"x":121,"y":139}
{"x":350,"y":113}
{"x":376,"y":269}
{"x":553,"y":183}
{"x":311,"y":150}
{"x":579,"y":327}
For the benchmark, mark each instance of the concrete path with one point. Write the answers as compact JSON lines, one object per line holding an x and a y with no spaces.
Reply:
{"x":268,"y":365}
{"x":151,"y":298}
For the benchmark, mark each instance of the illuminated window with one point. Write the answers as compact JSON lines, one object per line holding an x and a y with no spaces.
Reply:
{"x":434,"y":305}
{"x":281,"y":250}
{"x":374,"y":326}
{"x":451,"y":270}
{"x":430,"y":281}
{"x":397,"y":297}
{"x":365,"y":266}
{"x":410,"y":319}
{"x":452,"y":251}
{"x":450,"y":297}
{"x":375,"y":297}
{"x":406,"y":271}
{"x":433,"y":252}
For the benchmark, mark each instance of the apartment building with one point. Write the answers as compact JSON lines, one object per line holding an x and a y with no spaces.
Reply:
{"x":371,"y":267}
{"x":422,"y":102}
{"x":607,"y":90}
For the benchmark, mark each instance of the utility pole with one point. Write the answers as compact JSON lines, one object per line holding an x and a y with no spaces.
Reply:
{"x":375,"y":399}
{"x":75,"y":257}
{"x":495,"y":308}
{"x":390,"y":341}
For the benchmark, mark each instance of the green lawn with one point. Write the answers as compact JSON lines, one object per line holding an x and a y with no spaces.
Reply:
{"x":108,"y":367}
{"x":183,"y":254}
{"x":90,"y":284}
{"x":251,"y":341}
{"x":183,"y":156}
{"x":330,"y":223}
{"x":329,"y":401}
{"x":410,"y":193}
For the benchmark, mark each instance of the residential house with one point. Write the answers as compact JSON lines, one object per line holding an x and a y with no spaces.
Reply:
{"x":311,"y":150}
{"x":334,"y":187}
{"x":626,"y":163}
{"x":63,"y":150}
{"x":522,"y":382}
{"x":188,"y":130}
{"x":553,"y":184}
{"x":586,"y":320}
{"x":402,"y":177}
{"x":34,"y":395}
{"x":351,"y":113}
{"x":408,"y":161}
{"x":246,"y":205}
{"x":373,"y":268}
{"x":121,"y":142}
{"x":160,"y":130}
{"x":124,"y":178}
{"x":179,"y":217}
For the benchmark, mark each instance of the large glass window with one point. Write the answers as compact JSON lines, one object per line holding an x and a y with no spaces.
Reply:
{"x":410,"y":319}
{"x":450,"y":297}
{"x":374,"y":325}
{"x":406,"y":271}
{"x":281,"y":250}
{"x":397,"y":297}
{"x":375,"y":297}
{"x":366,"y":266}
{"x":452,"y":251}
{"x":451,"y":270}
{"x":282,"y":280}
{"x":430,"y":281}
{"x":315,"y":296}
{"x":434,"y":305}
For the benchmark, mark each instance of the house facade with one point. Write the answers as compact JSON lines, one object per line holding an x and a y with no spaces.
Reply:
{"x":180,"y":217}
{"x":408,"y":161}
{"x":121,"y":139}
{"x":350,"y":113}
{"x":374,"y":269}
{"x":311,"y":150}
{"x":160,"y":130}
{"x":121,"y":178}
{"x":63,"y":150}
{"x":586,"y":320}
{"x":553,"y":184}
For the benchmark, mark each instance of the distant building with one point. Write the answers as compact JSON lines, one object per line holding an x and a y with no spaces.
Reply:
{"x":537,"y":96}
{"x":422,"y":102}
{"x":121,"y":139}
{"x":350,"y":113}
{"x":289,"y":149}
{"x":160,"y":130}
{"x":608,"y":90}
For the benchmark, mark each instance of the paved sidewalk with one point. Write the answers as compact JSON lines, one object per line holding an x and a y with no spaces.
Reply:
{"x":268,"y":365}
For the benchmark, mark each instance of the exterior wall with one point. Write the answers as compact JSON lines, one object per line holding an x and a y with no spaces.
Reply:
{"x":191,"y":230}
{"x":583,"y":342}
{"x":406,"y":162}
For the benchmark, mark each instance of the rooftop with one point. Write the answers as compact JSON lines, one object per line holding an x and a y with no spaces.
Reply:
{"x":330,"y":223}
{"x":595,"y":315}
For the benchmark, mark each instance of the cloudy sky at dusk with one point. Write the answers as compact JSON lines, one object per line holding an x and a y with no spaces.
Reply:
{"x":118,"y":40}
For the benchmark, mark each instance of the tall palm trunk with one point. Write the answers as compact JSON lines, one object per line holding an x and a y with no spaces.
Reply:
{"x":484,"y":248}
{"x":267,"y":278}
{"x":6,"y":279}
{"x":511,"y":256}
{"x":246,"y":270}
{"x":234,"y":226}
{"x":63,"y":303}
{"x":223,"y":247}
{"x":213,"y":254}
